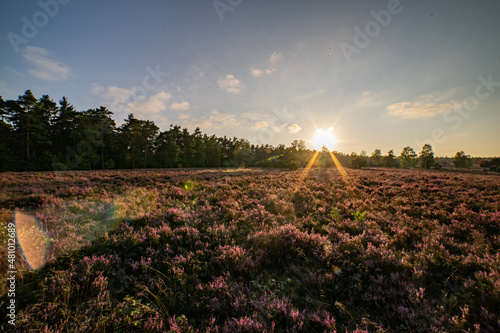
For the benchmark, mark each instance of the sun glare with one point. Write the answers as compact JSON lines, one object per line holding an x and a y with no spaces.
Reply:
{"x":324,"y":138}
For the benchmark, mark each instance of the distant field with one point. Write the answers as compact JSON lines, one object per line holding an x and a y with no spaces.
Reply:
{"x":253,"y":250}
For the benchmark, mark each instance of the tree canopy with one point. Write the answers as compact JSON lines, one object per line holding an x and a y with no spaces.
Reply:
{"x":40,"y":134}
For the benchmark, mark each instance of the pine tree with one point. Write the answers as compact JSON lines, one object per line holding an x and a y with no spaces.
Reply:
{"x":199,"y":148}
{"x":426,"y":157}
{"x":22,"y":117}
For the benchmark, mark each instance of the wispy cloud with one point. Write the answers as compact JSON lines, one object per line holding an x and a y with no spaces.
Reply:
{"x":275,"y":129}
{"x":4,"y":87}
{"x":159,"y":119}
{"x":45,"y":68}
{"x":14,"y":71}
{"x":428,"y":105}
{"x":114,"y":98}
{"x":368,"y":99}
{"x":259,"y":72}
{"x":271,"y":63}
{"x":257,"y":116}
{"x":216,"y":120}
{"x":152,"y":105}
{"x":184,"y":106}
{"x":230,"y":84}
{"x":259,"y":125}
{"x":274,"y":58}
{"x":294,"y":128}
{"x":119,"y":100}
{"x":111,"y":94}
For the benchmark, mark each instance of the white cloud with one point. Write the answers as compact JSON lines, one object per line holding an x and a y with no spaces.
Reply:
{"x":160,"y":120}
{"x":119,"y":94}
{"x":184,"y":106}
{"x":45,"y":68}
{"x":204,"y":124}
{"x":274,"y":58}
{"x":230,"y":84}
{"x":272,"y":61}
{"x":259,"y":125}
{"x":115,"y":98}
{"x":183,"y":116}
{"x":256,"y":72}
{"x":425,"y":106}
{"x":216,"y":120}
{"x":220,"y":120}
{"x":122,"y":100}
{"x":294,"y":128}
{"x":259,"y":72}
{"x":153,"y":104}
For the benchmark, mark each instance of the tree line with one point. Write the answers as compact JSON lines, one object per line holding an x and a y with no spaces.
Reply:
{"x":40,"y":134}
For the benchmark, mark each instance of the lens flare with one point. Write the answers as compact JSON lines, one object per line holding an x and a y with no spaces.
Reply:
{"x":32,"y":239}
{"x":71,"y":225}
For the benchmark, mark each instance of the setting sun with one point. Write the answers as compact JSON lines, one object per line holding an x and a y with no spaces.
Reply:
{"x":324,"y":138}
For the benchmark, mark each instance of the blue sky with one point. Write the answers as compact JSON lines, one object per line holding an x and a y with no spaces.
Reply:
{"x":383,"y":74}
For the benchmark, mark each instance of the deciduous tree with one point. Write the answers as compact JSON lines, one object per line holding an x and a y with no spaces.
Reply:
{"x":460,"y":160}
{"x":408,"y":157}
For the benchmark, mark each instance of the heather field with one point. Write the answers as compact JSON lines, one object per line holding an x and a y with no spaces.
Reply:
{"x":251,"y":250}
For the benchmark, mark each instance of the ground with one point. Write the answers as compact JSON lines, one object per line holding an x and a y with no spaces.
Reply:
{"x":253,"y":250}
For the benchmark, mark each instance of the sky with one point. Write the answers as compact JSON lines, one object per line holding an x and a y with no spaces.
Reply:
{"x":382,"y":74}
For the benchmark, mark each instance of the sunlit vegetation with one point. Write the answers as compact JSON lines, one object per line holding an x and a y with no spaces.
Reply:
{"x":254,"y":250}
